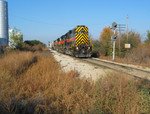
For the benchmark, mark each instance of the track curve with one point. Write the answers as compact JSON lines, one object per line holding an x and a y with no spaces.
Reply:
{"x":124,"y":68}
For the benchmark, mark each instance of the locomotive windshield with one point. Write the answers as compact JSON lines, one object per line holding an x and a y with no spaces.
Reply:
{"x":82,"y":31}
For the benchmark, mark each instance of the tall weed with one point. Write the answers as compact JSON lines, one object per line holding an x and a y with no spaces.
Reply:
{"x":40,"y":86}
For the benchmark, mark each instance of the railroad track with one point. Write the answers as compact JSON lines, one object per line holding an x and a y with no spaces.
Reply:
{"x":133,"y":71}
{"x":123,"y":68}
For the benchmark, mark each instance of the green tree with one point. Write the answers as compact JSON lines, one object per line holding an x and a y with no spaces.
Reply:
{"x":34,"y":42}
{"x":17,"y":38}
{"x":105,"y":40}
{"x":148,"y":37}
{"x":96,"y":48}
{"x":134,"y":39}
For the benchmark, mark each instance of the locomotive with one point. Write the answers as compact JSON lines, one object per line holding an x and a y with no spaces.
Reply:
{"x":76,"y":42}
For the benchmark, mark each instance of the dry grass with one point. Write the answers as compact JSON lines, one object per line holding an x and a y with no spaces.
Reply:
{"x":117,"y":94}
{"x":34,"y":48}
{"x":15,"y":63}
{"x":140,"y":55}
{"x":30,"y":86}
{"x":137,"y":56}
{"x":42,"y":87}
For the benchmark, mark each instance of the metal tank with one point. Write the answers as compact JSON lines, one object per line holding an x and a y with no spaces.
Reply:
{"x":3,"y":23}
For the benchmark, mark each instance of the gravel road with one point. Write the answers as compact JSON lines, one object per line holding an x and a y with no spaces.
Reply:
{"x":85,"y":70}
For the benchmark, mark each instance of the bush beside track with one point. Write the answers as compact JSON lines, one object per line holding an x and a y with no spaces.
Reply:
{"x":34,"y":83}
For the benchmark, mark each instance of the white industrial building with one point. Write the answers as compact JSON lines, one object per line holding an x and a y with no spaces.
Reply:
{"x":12,"y":34}
{"x":11,"y":41}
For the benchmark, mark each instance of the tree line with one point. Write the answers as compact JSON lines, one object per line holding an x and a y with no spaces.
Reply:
{"x":16,"y":41}
{"x":103,"y":46}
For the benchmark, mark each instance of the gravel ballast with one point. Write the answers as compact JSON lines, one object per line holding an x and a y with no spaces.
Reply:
{"x":85,"y":70}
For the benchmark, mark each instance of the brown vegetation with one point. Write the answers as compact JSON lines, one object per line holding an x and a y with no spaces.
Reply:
{"x":105,"y":39}
{"x":42,"y":87}
{"x":118,"y":93}
{"x":140,"y":55}
{"x":34,"y":48}
{"x":34,"y":83}
{"x":137,"y":56}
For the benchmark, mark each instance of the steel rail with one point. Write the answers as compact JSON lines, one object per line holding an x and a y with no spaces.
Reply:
{"x":119,"y":67}
{"x":132,"y":71}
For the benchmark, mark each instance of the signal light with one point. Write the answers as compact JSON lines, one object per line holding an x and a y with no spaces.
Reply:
{"x":114,"y":37}
{"x":114,"y":25}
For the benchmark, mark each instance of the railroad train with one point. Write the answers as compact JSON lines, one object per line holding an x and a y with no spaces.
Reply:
{"x":75,"y":42}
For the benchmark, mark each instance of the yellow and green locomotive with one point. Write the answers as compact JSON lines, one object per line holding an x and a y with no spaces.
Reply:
{"x":76,"y":42}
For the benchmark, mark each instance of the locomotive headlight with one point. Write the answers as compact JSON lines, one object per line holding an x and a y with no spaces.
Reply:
{"x":77,"y":48}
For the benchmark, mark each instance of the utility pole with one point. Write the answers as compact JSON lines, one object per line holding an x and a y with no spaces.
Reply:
{"x":127,"y":35}
{"x":127,"y":27}
{"x":119,"y":37}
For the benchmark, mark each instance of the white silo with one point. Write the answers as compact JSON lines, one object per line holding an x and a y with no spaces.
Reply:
{"x":3,"y":23}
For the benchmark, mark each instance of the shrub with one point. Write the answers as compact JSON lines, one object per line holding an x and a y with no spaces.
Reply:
{"x":148,"y":37}
{"x":16,"y":62}
{"x":41,"y":86}
{"x":139,"y":55}
{"x":34,"y":42}
{"x":96,"y":48}
{"x":116,"y":94}
{"x":134,"y":39}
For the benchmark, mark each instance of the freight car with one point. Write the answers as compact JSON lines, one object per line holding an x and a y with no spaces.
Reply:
{"x":76,"y":42}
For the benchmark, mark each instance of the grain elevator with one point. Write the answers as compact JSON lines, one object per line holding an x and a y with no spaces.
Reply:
{"x":3,"y":23}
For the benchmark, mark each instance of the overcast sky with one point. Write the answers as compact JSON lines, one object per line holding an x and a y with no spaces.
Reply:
{"x":46,"y":20}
